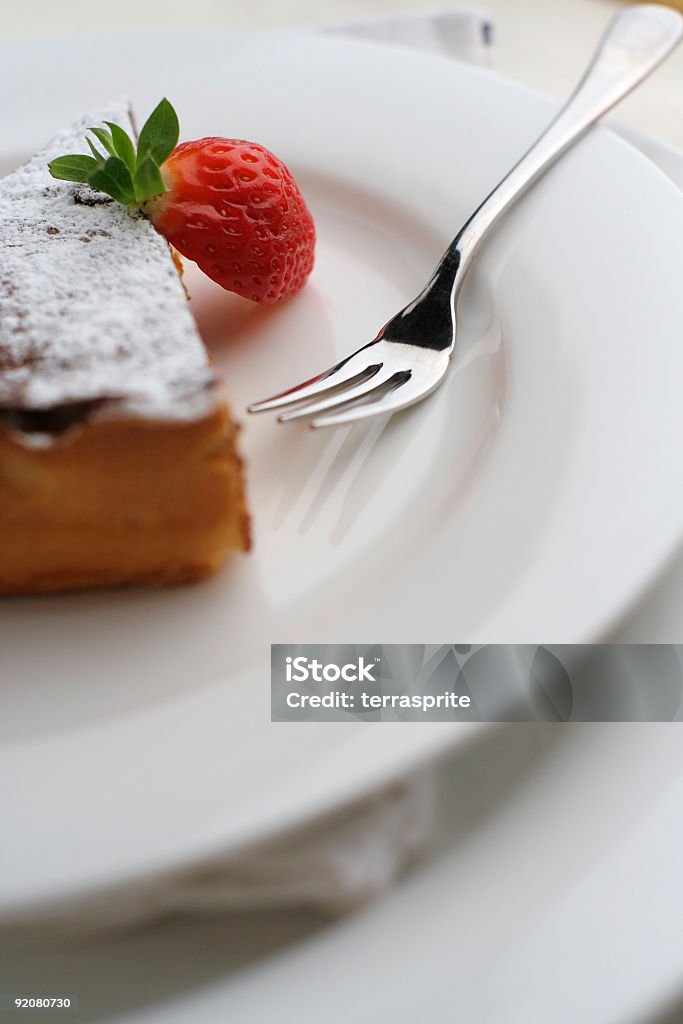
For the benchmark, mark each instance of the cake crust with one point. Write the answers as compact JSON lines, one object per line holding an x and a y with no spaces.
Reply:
{"x":119,"y":502}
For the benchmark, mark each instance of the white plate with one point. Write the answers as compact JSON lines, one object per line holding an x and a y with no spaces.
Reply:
{"x":531,"y":498}
{"x":567,"y":860}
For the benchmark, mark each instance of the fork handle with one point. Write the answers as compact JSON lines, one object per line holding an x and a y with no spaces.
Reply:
{"x":636,"y":41}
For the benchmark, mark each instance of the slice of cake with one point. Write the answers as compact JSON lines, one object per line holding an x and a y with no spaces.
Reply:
{"x":118,"y":461}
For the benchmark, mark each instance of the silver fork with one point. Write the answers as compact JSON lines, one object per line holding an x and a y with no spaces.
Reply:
{"x":409,"y":357}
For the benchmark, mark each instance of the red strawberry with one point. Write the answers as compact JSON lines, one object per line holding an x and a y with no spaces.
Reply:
{"x":229,"y":205}
{"x":235,"y":209}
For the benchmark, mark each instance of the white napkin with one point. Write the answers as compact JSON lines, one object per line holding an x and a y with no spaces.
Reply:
{"x":466,"y":34}
{"x":333,"y":864}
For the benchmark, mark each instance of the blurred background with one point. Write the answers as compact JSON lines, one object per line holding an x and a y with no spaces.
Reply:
{"x":542,"y":43}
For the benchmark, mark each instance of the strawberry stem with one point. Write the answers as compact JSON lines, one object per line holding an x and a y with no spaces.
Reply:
{"x":129,"y":174}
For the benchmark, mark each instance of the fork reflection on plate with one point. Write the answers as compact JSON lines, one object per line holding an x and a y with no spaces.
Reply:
{"x":410,"y":356}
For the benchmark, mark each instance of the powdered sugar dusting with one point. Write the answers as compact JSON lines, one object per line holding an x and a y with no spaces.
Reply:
{"x":91,"y":305}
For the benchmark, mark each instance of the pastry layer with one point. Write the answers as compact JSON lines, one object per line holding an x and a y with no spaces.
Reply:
{"x":120,"y":501}
{"x":92,"y":308}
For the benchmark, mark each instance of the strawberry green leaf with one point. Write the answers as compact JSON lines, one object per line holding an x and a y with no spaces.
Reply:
{"x":159,"y":135}
{"x":114,"y":178}
{"x":128,"y":177}
{"x":73,"y":168}
{"x":122,"y":145}
{"x":95,"y":152}
{"x":148,"y":181}
{"x":106,"y":140}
